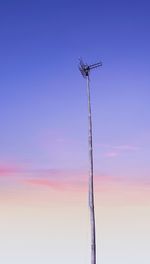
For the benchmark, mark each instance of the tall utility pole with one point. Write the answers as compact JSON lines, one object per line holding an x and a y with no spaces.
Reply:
{"x":85,"y":71}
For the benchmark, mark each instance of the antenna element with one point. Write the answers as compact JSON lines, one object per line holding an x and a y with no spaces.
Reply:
{"x":85,"y":68}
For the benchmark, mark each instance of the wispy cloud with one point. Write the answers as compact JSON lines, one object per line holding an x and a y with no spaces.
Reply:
{"x":8,"y":170}
{"x":111,"y":154}
{"x":116,"y":150}
{"x":125,"y":147}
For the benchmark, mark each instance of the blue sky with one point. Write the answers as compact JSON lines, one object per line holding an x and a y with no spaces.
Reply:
{"x":42,"y":92}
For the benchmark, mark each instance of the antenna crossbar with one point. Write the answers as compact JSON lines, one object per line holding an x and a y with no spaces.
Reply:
{"x":85,"y":68}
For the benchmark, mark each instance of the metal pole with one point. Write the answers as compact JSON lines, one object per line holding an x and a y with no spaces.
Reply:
{"x":91,"y":186}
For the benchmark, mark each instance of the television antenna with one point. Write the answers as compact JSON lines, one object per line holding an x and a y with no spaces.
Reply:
{"x":85,"y":71}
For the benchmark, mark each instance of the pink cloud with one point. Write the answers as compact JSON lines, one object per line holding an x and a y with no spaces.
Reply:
{"x":66,"y":186}
{"x":8,"y":170}
{"x":74,"y":185}
{"x":56,"y":179}
{"x":74,"y":181}
{"x":108,"y":189}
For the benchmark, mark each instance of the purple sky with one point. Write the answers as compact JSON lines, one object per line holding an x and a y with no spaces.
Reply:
{"x":43,"y":106}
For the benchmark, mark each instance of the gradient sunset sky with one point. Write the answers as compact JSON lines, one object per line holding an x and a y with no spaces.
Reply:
{"x":43,"y":136}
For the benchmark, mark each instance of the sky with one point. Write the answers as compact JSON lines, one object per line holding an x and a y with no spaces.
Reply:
{"x":43,"y":135}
